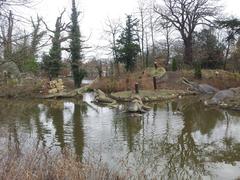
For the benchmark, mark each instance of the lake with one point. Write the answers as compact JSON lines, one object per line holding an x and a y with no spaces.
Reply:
{"x":179,"y":139}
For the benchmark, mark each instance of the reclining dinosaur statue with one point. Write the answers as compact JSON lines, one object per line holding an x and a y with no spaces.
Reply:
{"x":200,"y":88}
{"x":226,"y":97}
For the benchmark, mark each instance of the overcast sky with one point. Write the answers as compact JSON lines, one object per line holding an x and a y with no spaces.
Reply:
{"x":95,"y":13}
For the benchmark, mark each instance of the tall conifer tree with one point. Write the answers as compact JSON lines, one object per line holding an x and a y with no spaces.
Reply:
{"x":128,"y":47}
{"x":76,"y":48}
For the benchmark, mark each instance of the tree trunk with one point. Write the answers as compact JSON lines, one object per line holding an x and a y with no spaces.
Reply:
{"x":142,"y":38}
{"x":188,"y":51}
{"x":75,"y":71}
{"x":168,"y":47}
{"x":7,"y":38}
{"x":152,"y":36}
{"x":116,"y":63}
{"x":147,"y":51}
{"x":117,"y":69}
{"x":226,"y":56}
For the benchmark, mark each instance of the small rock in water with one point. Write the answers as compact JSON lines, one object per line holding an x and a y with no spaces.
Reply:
{"x":205,"y":103}
{"x":177,"y":113}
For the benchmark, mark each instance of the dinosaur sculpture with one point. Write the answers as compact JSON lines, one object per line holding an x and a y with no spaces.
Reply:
{"x":200,"y":88}
{"x":224,"y":95}
{"x":136,"y":105}
{"x":227,"y":98}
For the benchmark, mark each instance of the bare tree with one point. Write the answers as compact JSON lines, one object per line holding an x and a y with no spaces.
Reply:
{"x":185,"y":16}
{"x":8,"y":19}
{"x":11,"y":5}
{"x":7,"y":5}
{"x":113,"y":29}
{"x":37,"y":36}
{"x":142,"y":9}
{"x":6,"y":36}
{"x":147,"y":50}
{"x":165,"y":27}
{"x":60,"y":27}
{"x":152,"y":27}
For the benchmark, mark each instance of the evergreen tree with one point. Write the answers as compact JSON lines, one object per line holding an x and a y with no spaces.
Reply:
{"x":128,"y":47}
{"x":208,"y":50}
{"x":75,"y":48}
{"x":54,"y":60}
{"x":235,"y":57}
{"x":45,"y":65}
{"x":232,"y":27}
{"x":55,"y":53}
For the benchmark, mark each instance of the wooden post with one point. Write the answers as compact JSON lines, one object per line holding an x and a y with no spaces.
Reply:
{"x":127,"y":84}
{"x":155,"y":82}
{"x":136,"y":88}
{"x":5,"y":76}
{"x":155,"y":65}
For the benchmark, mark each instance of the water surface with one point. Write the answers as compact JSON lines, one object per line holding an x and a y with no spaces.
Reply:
{"x":175,"y":140}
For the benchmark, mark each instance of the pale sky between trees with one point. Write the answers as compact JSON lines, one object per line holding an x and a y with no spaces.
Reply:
{"x":95,"y":13}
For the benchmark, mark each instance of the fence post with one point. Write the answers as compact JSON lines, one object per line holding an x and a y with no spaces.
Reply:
{"x":136,"y":88}
{"x":155,"y":82}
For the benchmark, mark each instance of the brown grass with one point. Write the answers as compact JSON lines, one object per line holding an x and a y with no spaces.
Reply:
{"x":29,"y":161}
{"x":27,"y":88}
{"x":30,"y":87}
{"x":40,"y":165}
{"x":127,"y":81}
{"x":221,"y":80}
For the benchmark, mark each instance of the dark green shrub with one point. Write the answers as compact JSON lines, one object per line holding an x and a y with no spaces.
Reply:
{"x":197,"y":70}
{"x":174,"y":65}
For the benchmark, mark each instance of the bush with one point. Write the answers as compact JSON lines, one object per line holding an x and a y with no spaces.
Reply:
{"x":31,"y":65}
{"x":174,"y":65}
{"x":197,"y":70}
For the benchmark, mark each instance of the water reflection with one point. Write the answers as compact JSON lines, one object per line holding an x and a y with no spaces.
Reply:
{"x":130,"y":127}
{"x":67,"y":121}
{"x":197,"y":116}
{"x":193,"y":143}
{"x":55,"y":112}
{"x":78,"y":132}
